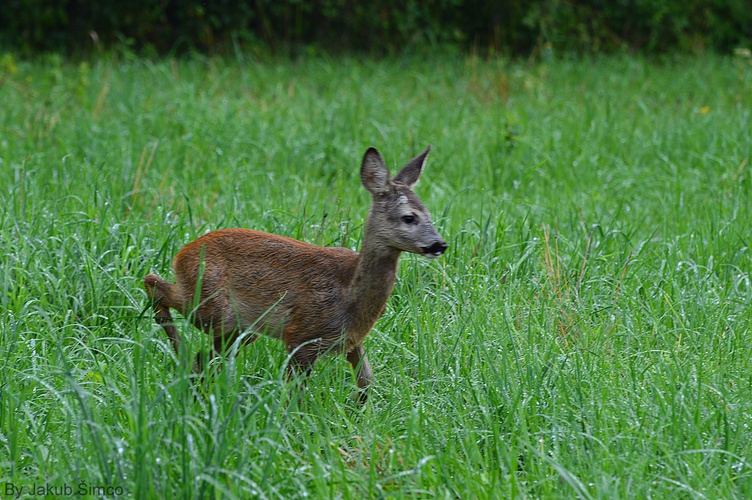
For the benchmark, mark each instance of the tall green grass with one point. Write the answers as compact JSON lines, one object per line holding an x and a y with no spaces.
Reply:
{"x":587,"y":334}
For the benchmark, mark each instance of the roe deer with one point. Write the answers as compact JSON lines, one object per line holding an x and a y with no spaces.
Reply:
{"x":315,"y":299}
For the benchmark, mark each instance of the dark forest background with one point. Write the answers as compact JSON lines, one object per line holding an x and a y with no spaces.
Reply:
{"x":509,"y":27}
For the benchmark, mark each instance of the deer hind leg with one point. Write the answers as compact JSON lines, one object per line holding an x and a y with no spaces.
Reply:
{"x":219,"y":345}
{"x":301,"y":363}
{"x":204,"y":357}
{"x":298,"y":370}
{"x":161,"y":294}
{"x":300,"y":366}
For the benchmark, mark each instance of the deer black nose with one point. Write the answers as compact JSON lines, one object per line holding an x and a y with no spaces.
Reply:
{"x":436,"y":249}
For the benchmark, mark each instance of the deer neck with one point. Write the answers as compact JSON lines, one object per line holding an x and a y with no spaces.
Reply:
{"x":371,"y":285}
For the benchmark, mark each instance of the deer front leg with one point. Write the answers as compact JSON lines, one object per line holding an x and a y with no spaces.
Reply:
{"x":359,"y":362}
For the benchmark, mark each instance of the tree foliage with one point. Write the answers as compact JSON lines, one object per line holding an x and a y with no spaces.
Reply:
{"x":515,"y":27}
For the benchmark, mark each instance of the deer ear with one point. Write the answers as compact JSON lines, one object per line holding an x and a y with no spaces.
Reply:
{"x":373,"y":173}
{"x":410,"y":173}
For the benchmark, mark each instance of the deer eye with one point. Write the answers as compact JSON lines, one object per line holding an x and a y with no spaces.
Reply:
{"x":408,"y":219}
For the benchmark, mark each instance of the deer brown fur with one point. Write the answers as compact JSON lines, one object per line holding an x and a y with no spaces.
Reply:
{"x":315,"y":299}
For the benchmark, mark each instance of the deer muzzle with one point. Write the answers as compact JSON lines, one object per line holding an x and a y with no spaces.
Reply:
{"x":435,"y":250}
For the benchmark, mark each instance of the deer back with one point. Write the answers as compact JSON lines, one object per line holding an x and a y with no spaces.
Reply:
{"x":252,"y":277}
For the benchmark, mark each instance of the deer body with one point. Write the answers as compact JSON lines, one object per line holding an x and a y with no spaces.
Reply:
{"x":315,"y":299}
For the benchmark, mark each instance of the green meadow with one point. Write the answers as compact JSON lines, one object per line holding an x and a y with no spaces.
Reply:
{"x":588,"y":333}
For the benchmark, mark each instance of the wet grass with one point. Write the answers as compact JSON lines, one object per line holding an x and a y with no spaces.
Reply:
{"x":586,"y":335}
